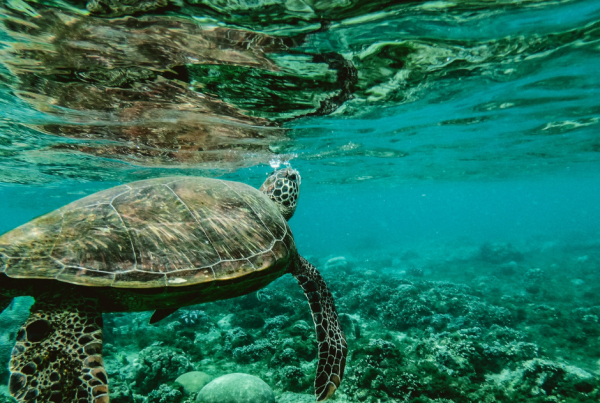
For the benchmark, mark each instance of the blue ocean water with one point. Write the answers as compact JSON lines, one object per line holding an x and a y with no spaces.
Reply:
{"x":374,"y":219}
{"x":449,"y":154}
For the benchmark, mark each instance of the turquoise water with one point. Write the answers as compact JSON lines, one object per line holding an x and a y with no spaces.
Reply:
{"x":449,"y":154}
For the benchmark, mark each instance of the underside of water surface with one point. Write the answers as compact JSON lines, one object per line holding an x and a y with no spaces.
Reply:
{"x":449,"y":154}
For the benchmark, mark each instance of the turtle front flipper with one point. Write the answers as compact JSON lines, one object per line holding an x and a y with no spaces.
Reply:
{"x":58,"y":354}
{"x":332,"y":342}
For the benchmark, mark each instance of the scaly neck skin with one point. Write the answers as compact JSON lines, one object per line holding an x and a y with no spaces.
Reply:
{"x":283,"y":187}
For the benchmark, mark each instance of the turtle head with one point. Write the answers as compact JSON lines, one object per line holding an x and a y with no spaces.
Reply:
{"x":283,"y":187}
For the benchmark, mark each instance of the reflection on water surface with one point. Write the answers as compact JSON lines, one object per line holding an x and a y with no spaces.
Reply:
{"x":220,"y":85}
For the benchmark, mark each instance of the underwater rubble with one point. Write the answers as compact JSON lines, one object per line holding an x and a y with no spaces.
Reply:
{"x":471,"y":324}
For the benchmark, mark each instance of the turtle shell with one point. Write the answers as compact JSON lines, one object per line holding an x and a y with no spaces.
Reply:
{"x":173,"y":232}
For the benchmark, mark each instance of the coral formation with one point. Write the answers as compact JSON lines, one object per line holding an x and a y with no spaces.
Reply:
{"x":164,"y":394}
{"x":192,"y":382}
{"x":158,"y":364}
{"x":464,"y":330}
{"x":235,"y":388}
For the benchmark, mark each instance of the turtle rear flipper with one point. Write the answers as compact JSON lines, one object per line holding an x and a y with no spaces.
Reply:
{"x":332,"y":342}
{"x":58,"y":354}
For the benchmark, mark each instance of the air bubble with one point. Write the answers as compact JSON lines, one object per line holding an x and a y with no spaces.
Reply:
{"x":275,"y":163}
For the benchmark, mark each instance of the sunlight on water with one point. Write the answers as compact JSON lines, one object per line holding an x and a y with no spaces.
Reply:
{"x":449,"y":158}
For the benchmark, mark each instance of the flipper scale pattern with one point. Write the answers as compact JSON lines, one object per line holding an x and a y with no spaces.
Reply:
{"x":58,"y":354}
{"x":333,"y":348}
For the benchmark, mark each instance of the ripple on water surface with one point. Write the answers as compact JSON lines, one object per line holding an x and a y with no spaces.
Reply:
{"x":415,"y":90}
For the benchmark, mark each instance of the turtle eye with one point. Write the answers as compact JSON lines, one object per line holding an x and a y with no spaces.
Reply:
{"x":292,"y":177}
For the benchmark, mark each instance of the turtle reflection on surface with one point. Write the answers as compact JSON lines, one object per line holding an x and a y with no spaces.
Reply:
{"x":138,"y":88}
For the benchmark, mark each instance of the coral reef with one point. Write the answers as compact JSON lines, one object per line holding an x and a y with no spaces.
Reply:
{"x":463,"y":329}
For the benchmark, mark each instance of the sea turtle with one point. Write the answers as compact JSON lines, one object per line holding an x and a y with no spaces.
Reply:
{"x":156,"y":244}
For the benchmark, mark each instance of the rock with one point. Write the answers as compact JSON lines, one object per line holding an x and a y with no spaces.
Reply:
{"x":338,"y":264}
{"x":236,"y":388}
{"x":193,"y":381}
